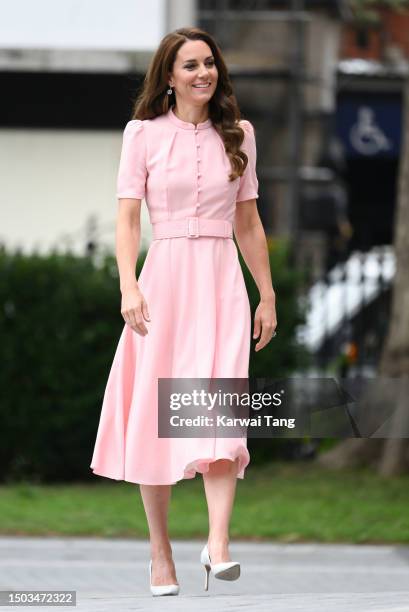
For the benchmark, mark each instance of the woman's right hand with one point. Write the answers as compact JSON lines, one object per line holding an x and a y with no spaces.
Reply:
{"x":134,"y":310}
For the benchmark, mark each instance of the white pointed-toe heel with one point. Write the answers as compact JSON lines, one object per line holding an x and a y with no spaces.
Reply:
{"x":162,"y":589}
{"x":227,"y":570}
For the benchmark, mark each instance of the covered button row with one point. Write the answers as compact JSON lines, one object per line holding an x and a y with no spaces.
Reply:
{"x":198,"y":161}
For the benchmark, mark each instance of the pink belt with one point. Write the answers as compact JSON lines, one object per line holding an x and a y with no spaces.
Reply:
{"x":192,"y":227}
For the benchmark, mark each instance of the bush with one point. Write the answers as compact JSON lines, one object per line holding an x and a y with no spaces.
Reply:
{"x":282,"y":355}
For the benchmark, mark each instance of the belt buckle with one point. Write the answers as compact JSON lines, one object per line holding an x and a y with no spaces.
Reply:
{"x":195,"y":232}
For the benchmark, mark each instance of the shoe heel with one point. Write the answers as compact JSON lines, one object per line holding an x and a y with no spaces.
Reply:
{"x":207,"y":571}
{"x":205,"y":561}
{"x":228,"y":570}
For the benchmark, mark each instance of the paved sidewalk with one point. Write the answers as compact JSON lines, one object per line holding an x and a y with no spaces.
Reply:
{"x":112,"y":574}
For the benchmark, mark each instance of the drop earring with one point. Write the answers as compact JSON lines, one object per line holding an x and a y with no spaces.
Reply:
{"x":169,"y":91}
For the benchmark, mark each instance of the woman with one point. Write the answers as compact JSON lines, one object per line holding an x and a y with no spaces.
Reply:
{"x":188,"y":315}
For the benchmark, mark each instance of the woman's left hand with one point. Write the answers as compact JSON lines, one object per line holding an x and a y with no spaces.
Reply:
{"x":265,"y":320}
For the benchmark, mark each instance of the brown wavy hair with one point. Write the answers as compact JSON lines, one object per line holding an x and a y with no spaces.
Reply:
{"x":224,"y":112}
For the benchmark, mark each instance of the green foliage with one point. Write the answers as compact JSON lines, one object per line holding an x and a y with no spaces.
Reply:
{"x":283,"y":354}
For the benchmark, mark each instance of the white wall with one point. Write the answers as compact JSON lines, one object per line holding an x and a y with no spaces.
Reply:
{"x":82,"y":24}
{"x":52,"y":180}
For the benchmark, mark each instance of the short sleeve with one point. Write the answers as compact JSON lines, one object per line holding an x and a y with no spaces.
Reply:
{"x":132,"y":172}
{"x":248,"y":186}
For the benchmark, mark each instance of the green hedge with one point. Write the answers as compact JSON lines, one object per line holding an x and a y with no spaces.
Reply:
{"x":283,"y":355}
{"x":60,"y":324}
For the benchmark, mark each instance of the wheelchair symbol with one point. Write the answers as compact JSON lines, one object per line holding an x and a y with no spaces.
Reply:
{"x":365,"y":136}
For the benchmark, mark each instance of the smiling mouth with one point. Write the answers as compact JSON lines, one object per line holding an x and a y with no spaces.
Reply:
{"x":201,"y":86}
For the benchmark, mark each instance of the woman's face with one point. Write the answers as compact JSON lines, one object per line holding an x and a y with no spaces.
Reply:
{"x":194,"y":66}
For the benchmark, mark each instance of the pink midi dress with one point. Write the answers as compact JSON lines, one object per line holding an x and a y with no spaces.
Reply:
{"x":200,"y":315}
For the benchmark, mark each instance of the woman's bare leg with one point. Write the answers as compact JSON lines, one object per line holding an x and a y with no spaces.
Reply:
{"x":156,"y":503}
{"x":220,"y":488}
